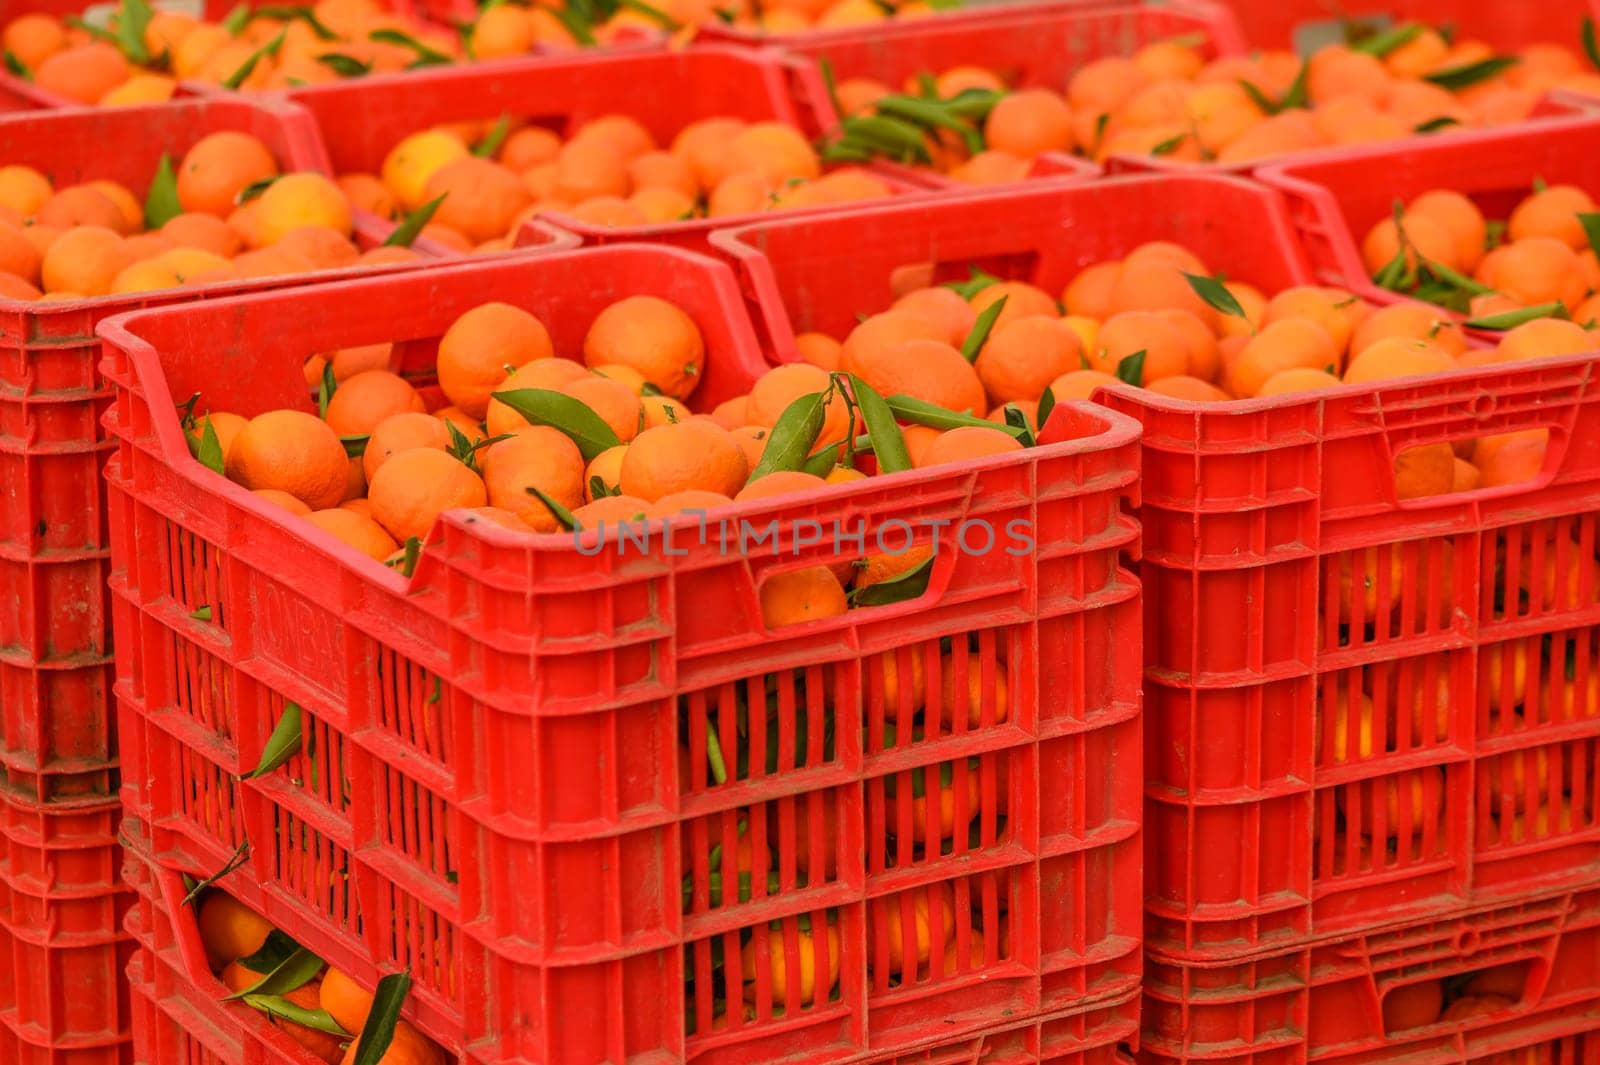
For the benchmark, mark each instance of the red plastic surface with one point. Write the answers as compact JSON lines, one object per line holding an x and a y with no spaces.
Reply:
{"x":1326,"y":1004}
{"x":1304,"y":24}
{"x":361,"y":120}
{"x":1335,"y":199}
{"x":528,"y":888}
{"x":1031,"y":45}
{"x":1252,"y":511}
{"x":63,"y":998}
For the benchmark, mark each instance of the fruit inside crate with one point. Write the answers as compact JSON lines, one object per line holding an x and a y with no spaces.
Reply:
{"x":69,"y":54}
{"x":1019,"y":47}
{"x":1400,"y":599}
{"x":1305,"y":24}
{"x":955,"y":884}
{"x":1504,"y":241}
{"x":567,"y":138}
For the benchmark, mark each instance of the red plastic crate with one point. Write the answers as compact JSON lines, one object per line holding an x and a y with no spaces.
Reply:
{"x":1306,"y":24}
{"x":1251,"y":512}
{"x":1031,"y":45}
{"x":360,"y":120}
{"x":1335,"y":199}
{"x":474,"y":840}
{"x":1327,"y":1003}
{"x":56,"y":735}
{"x":63,"y":948}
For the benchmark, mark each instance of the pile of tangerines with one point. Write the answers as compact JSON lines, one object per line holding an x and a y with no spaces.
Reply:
{"x":1159,"y":320}
{"x":226,"y":212}
{"x":244,"y":950}
{"x":542,"y":441}
{"x":139,"y":56}
{"x":1169,"y":100}
{"x":141,"y":53}
{"x":480,"y":180}
{"x":1538,"y":262}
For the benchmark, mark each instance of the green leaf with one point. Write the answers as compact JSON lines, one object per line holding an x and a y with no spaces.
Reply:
{"x":273,"y":952}
{"x":355,"y":446}
{"x":794,"y":436}
{"x":908,"y":585}
{"x":1216,"y":294}
{"x":1101,"y":121}
{"x":1434,"y":125}
{"x":295,"y":971}
{"x":293,"y":12}
{"x":1170,"y":145}
{"x":133,"y":17}
{"x":201,"y":614}
{"x":1298,"y":95}
{"x":378,"y":1032}
{"x":17,"y":66}
{"x":241,"y":855}
{"x":490,"y":144}
{"x":282,"y":745}
{"x":1591,"y":229}
{"x":325,"y":389}
{"x":1455,"y":279}
{"x":979,"y":336}
{"x":1131,"y":369}
{"x":977,"y":280}
{"x":1494,"y":232}
{"x":1018,"y":420}
{"x":888,"y":443}
{"x":254,"y":189}
{"x":823,"y":461}
{"x":921,"y":412}
{"x":1392,"y":276}
{"x":1258,"y":96}
{"x":236,"y":79}
{"x":344,"y":65}
{"x":407,"y":230}
{"x":1047,"y":405}
{"x":426,"y":56}
{"x":161,"y":202}
{"x":1591,"y":48}
{"x":974,"y":103}
{"x":562,"y":515}
{"x":210,"y":447}
{"x":236,"y":19}
{"x":406,"y":564}
{"x":600,"y":490}
{"x":560,"y":411}
{"x":278,"y":1006}
{"x":1457,"y":78}
{"x":1512,"y":319}
{"x":1381,"y":44}
{"x":582,"y":29}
